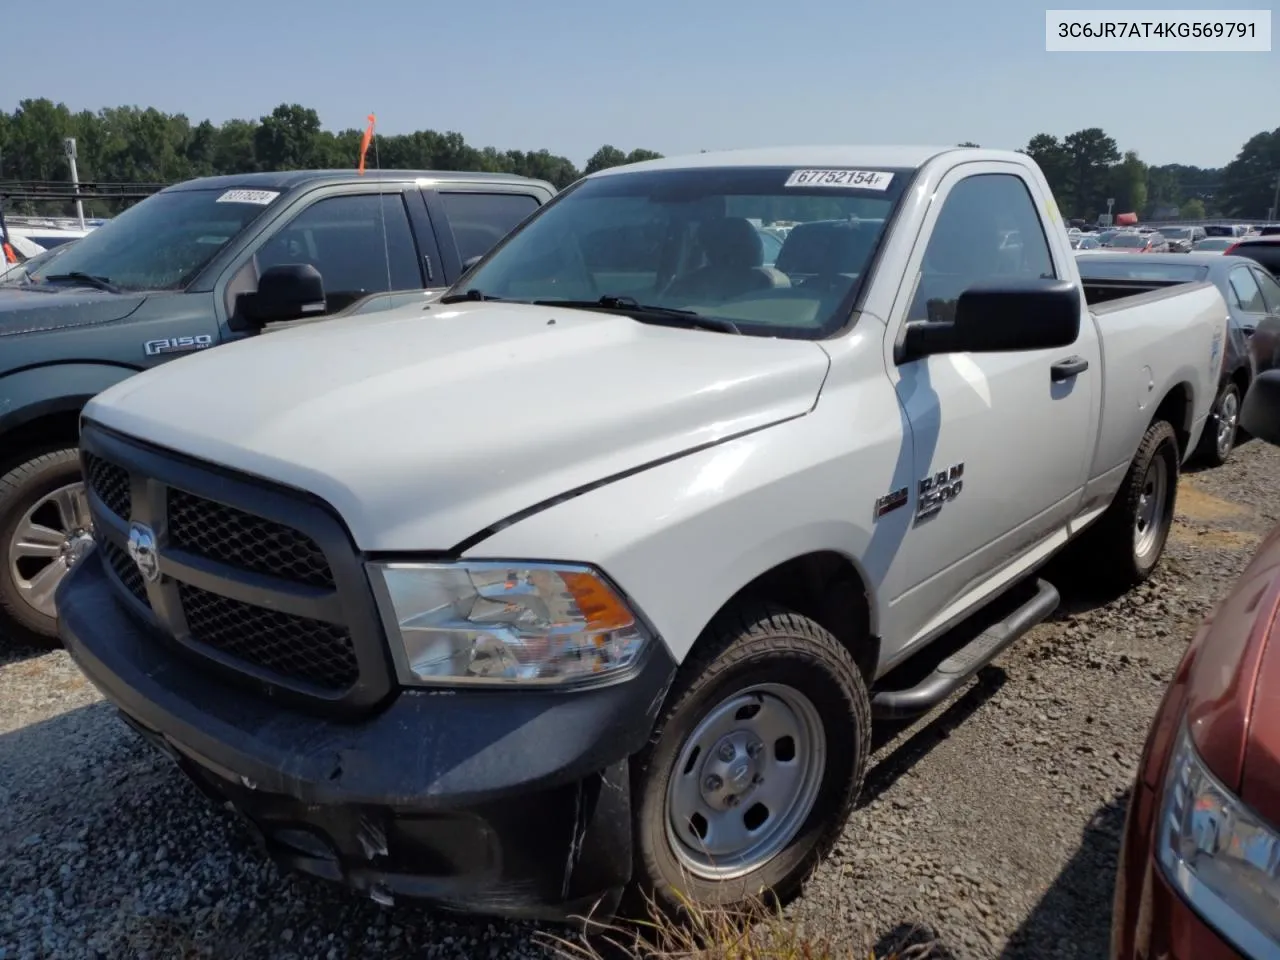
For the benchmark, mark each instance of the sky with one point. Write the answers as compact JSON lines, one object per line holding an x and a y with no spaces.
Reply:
{"x":676,"y":76}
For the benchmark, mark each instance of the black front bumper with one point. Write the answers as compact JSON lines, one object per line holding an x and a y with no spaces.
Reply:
{"x":511,"y":803}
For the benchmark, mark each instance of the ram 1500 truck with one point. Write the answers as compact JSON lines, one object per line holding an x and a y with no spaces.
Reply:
{"x":591,"y":577}
{"x":199,"y":264}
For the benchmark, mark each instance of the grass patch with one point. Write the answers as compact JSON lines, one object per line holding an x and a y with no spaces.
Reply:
{"x":704,"y":932}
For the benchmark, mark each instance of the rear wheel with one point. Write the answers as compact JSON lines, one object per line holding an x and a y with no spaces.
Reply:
{"x":755,"y":765}
{"x":1219,"y":437}
{"x":1124,"y":546}
{"x":45,"y":530}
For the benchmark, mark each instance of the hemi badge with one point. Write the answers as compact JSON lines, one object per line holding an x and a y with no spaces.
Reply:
{"x":891,"y":501}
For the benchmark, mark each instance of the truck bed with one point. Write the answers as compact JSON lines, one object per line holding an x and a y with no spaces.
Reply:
{"x":1103,"y":294}
{"x":1152,"y":331}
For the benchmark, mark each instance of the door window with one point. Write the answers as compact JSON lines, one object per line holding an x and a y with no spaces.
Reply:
{"x":1270,"y":291}
{"x":1245,"y":289}
{"x":361,"y":244}
{"x":480,"y":220}
{"x":988,"y":229}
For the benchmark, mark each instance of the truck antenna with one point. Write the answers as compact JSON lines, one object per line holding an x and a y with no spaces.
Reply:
{"x":371,"y":138}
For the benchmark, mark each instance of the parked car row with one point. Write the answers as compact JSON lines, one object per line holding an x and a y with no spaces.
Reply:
{"x":583,"y":580}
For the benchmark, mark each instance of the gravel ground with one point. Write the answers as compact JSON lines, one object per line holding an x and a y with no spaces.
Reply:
{"x":991,"y":826}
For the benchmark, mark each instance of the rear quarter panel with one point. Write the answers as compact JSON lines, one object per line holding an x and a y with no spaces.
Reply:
{"x":1151,"y":344}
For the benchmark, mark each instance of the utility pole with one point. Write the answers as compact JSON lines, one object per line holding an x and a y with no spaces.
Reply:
{"x":1274,"y":212}
{"x":69,"y":145}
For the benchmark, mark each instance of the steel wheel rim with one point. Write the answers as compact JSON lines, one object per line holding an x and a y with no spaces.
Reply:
{"x":1151,"y":506}
{"x":765,"y":746}
{"x":51,"y":538}
{"x":1228,"y":416}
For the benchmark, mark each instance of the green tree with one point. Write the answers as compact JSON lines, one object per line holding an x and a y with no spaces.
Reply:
{"x":1127,"y":184}
{"x":233,"y":148}
{"x":1249,"y":181}
{"x":1090,"y":155}
{"x":1052,"y":159}
{"x":607,"y":156}
{"x":1193,"y":209}
{"x":290,"y":138}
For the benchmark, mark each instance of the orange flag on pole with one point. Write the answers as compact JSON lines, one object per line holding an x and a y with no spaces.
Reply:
{"x":364,"y":144}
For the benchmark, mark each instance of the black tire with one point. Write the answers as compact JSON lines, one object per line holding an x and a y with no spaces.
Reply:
{"x":1111,"y":551}
{"x":1215,"y":443}
{"x":21,"y":489}
{"x":752,"y":645}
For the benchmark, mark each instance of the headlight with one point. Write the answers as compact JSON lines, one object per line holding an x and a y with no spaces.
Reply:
{"x":1222,"y":857}
{"x":505,"y":623}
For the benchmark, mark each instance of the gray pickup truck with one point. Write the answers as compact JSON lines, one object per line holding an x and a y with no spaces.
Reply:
{"x":200,"y":264}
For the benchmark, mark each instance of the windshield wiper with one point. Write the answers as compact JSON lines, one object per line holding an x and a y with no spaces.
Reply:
{"x":648,"y":313}
{"x":88,"y":280}
{"x":472,"y":294}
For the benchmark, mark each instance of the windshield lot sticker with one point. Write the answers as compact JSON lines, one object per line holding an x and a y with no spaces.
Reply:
{"x":260,"y":197}
{"x":840,"y":179}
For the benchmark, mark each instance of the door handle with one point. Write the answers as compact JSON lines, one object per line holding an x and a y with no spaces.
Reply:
{"x":1068,"y":368}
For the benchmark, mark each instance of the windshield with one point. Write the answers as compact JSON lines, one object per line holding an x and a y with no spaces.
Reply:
{"x":1128,"y":240}
{"x":18,"y":274}
{"x":1124,"y":268}
{"x":683,"y":240}
{"x":160,"y":243}
{"x":1176,"y":233}
{"x":1215,"y":243}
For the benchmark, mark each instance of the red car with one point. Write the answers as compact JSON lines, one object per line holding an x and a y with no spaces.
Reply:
{"x":1199,"y":875}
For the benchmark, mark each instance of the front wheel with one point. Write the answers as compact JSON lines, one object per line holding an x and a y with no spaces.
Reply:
{"x":45,"y":529}
{"x":755,"y":765}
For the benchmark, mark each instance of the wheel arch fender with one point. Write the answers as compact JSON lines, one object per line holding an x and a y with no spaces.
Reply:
{"x":687,"y":537}
{"x":49,"y":394}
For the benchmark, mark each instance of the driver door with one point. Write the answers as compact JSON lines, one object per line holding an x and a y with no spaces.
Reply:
{"x":1000,"y":449}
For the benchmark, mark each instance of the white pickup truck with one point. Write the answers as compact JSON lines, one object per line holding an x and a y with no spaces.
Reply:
{"x":589,"y":578}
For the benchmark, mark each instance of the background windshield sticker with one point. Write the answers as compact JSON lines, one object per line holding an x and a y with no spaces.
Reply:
{"x":262,"y":197}
{"x":842,"y":179}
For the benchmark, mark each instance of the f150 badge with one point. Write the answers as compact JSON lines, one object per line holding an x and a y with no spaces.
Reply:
{"x":938,"y":489}
{"x":154,"y":348}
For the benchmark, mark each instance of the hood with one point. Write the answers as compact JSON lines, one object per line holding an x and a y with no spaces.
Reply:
{"x":29,"y":309}
{"x":423,"y":426}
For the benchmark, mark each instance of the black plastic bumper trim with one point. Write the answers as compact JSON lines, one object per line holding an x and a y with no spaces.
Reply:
{"x":427,"y":749}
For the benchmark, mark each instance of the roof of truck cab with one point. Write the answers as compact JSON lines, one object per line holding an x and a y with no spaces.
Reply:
{"x":852,"y":155}
{"x":289,"y":179}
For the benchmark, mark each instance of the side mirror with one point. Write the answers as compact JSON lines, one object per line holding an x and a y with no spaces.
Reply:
{"x":285,"y":292}
{"x":1260,"y":412}
{"x":999,"y":317}
{"x":470,"y":262}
